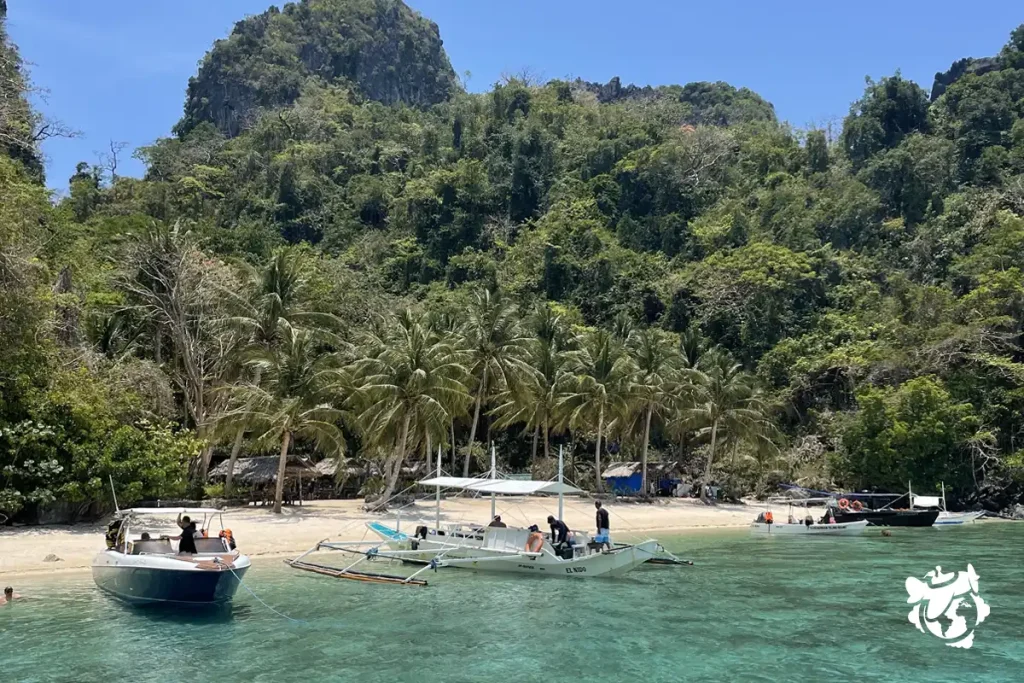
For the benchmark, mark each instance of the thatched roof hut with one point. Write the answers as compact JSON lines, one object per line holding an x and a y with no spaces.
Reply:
{"x":262,"y":470}
{"x":625,"y":477}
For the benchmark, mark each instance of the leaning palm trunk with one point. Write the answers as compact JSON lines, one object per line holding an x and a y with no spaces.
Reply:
{"x":547,"y":440}
{"x":282,"y":466}
{"x":711,"y":460}
{"x":476,"y":420}
{"x":236,"y":448}
{"x":533,"y":451}
{"x":597,"y":451}
{"x":643,"y":456}
{"x":396,"y":465}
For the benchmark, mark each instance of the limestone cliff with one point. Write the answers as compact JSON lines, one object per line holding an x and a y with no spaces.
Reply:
{"x":387,"y":51}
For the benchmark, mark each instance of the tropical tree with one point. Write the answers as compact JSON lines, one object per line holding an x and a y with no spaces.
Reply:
{"x":599,"y":390}
{"x":410,"y":383}
{"x":725,"y":397}
{"x":270,"y":295}
{"x":498,"y":352}
{"x":656,"y":387}
{"x":535,"y":399}
{"x":293,"y":398}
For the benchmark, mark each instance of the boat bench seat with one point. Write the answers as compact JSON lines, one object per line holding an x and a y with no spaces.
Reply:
{"x":209,"y":546}
{"x":154,"y":546}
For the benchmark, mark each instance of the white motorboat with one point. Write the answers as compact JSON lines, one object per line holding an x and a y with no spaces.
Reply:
{"x":141,"y":569}
{"x":946,"y":519}
{"x":802,"y":529}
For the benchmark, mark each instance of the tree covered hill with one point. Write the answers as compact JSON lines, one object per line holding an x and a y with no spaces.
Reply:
{"x":346,"y":242}
{"x":381,"y":48}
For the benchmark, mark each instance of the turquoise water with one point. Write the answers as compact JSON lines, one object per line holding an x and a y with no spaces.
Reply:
{"x":750,"y":610}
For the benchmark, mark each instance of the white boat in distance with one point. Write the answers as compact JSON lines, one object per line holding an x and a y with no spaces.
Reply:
{"x":806,"y":526}
{"x":802,"y":529}
{"x":151,"y":571}
{"x":946,"y":519}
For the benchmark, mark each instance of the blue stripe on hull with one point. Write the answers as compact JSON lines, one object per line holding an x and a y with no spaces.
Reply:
{"x":149,"y":586}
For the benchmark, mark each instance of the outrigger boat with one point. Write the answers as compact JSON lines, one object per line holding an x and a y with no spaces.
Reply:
{"x":143,"y":570}
{"x":486,"y":549}
{"x":804,"y":527}
{"x":946,"y":519}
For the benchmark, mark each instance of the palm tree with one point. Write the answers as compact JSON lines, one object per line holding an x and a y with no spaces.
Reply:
{"x":599,"y":390}
{"x":724,"y":397}
{"x":656,"y":385}
{"x":270,"y":295}
{"x":498,"y":352}
{"x":534,"y":401}
{"x":411,"y":383}
{"x":292,"y":398}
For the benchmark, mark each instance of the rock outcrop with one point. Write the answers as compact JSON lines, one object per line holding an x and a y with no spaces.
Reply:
{"x":382,"y":48}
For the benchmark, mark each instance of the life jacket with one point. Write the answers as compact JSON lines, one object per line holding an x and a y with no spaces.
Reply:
{"x":768,"y":518}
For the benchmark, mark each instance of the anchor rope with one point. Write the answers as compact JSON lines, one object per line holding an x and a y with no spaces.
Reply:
{"x":258,"y":598}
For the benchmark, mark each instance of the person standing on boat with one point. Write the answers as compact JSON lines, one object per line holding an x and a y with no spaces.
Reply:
{"x":603,"y":526}
{"x":187,"y":541}
{"x":559,"y":531}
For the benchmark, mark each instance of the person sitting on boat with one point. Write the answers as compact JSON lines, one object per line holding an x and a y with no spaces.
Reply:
{"x":792,"y":519}
{"x":535,"y":541}
{"x":603,"y":526}
{"x":497,"y":523}
{"x":186,"y":541}
{"x":559,"y":531}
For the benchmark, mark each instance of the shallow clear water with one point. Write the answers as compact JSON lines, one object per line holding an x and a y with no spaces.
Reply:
{"x":751,"y":609}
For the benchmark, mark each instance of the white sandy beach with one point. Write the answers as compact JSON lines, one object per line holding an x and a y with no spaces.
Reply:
{"x":260,"y":533}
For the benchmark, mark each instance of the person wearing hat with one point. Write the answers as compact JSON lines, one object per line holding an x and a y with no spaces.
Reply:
{"x":496,"y":522}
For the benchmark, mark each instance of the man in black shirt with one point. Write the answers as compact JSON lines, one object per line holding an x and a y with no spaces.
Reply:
{"x":603,"y":527}
{"x":559,"y":531}
{"x":496,"y":522}
{"x":187,"y":539}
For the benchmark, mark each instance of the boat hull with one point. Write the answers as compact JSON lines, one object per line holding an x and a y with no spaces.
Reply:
{"x":889,"y":517}
{"x":145,"y":580}
{"x":845,"y":529}
{"x":597,"y":565}
{"x":951,"y":519}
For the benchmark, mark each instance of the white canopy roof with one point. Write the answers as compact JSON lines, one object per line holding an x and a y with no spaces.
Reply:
{"x":512,"y":487}
{"x":171,"y":511}
{"x":927,"y":501}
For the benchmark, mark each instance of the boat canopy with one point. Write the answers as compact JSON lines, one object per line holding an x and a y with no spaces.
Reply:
{"x":513,"y":487}
{"x":927,"y":501}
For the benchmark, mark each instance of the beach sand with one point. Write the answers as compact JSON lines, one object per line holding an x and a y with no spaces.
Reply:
{"x":260,"y":533}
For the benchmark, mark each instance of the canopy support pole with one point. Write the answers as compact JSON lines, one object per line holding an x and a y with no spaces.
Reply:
{"x":560,"y":479}
{"x":437,"y":494}
{"x":494,"y":475}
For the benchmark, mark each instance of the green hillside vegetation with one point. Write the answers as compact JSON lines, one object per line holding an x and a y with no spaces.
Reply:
{"x":344,"y":254}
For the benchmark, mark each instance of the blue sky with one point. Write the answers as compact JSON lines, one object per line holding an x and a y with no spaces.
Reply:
{"x":117,"y":69}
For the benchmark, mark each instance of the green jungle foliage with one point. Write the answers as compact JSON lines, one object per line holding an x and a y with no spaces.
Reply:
{"x":340,"y":253}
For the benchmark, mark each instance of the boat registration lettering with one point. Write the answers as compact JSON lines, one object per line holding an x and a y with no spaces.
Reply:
{"x":575,"y":570}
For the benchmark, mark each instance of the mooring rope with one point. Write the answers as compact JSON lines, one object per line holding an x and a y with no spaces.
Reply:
{"x":258,"y":598}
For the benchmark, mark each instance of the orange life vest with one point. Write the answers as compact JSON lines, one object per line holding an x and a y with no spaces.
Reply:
{"x":768,"y":518}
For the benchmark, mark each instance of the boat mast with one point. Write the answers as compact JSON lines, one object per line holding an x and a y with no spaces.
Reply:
{"x":494,"y":475}
{"x":560,"y":494}
{"x":943,"y":484}
{"x":437,"y":494}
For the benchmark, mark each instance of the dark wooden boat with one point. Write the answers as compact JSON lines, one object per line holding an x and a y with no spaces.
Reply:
{"x":889,"y":517}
